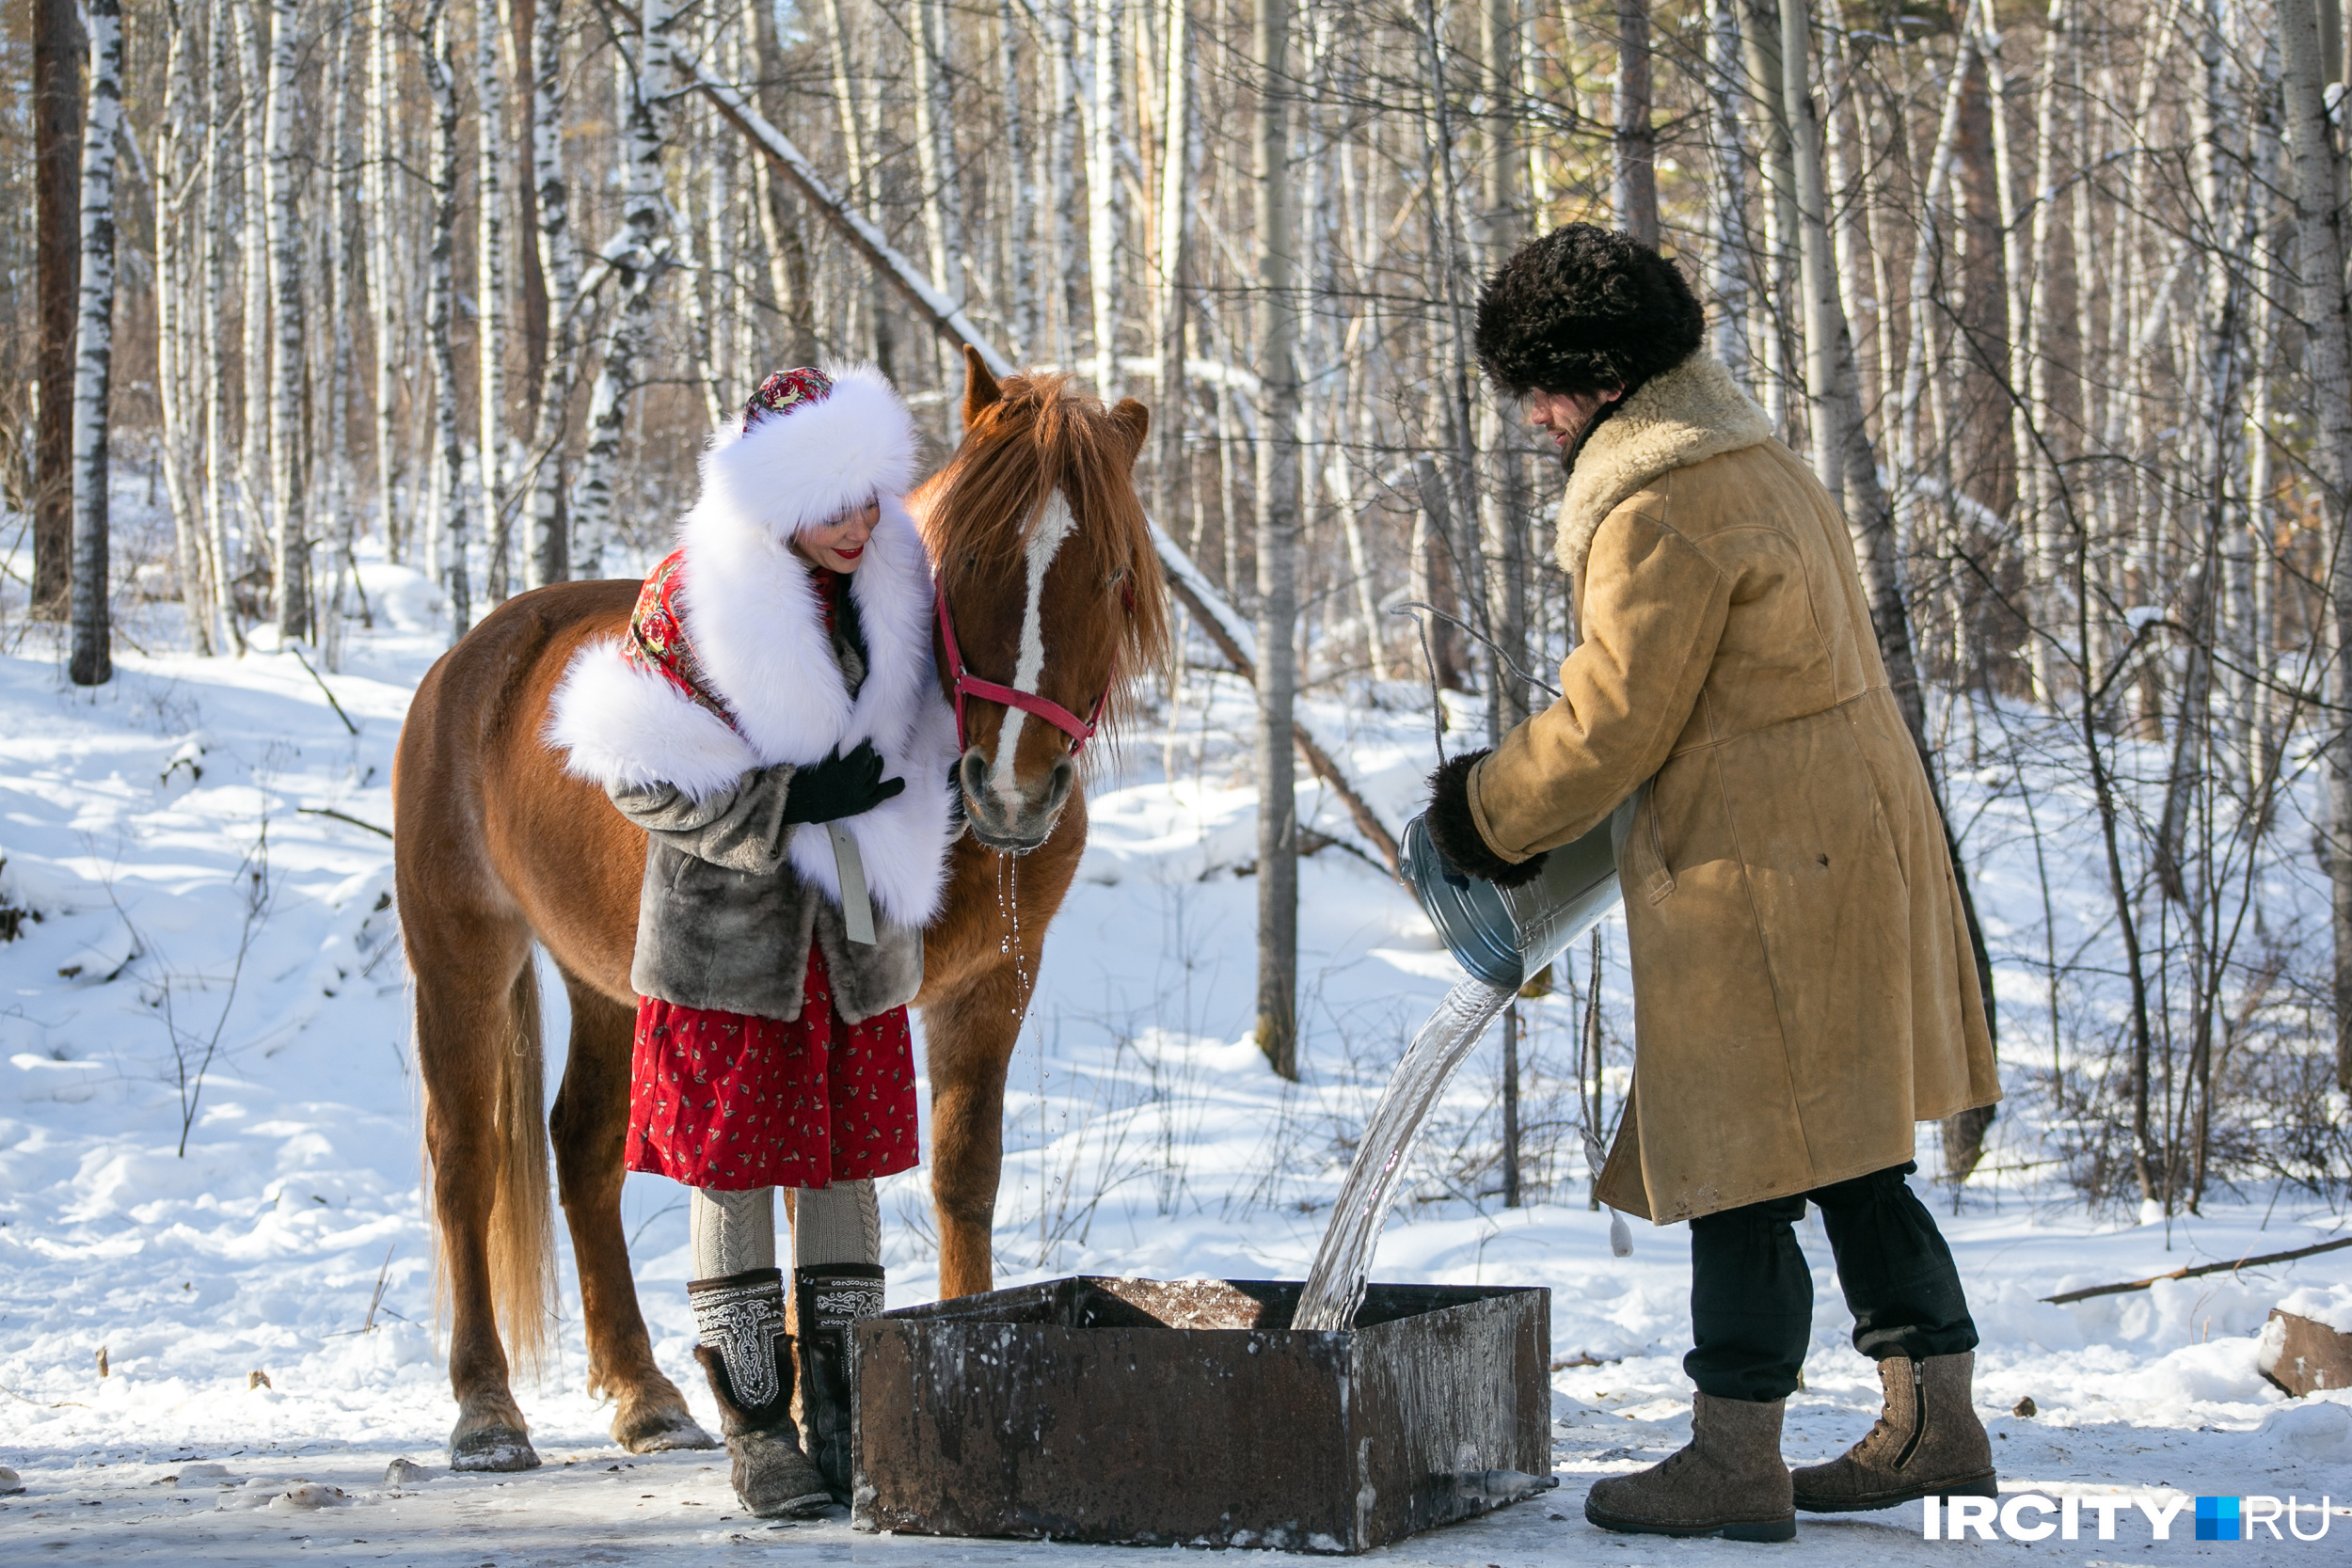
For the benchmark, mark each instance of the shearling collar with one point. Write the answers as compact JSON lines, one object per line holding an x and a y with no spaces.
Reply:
{"x":1680,"y":417}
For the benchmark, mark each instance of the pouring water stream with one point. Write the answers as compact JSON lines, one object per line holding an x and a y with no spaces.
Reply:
{"x":1502,"y":936}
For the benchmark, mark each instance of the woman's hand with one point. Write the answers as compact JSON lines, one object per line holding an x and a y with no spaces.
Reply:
{"x":839,"y":786}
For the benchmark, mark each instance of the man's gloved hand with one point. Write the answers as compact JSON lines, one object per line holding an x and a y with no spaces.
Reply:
{"x":839,"y":786}
{"x":1454,"y":832}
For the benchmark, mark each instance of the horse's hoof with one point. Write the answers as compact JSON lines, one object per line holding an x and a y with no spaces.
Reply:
{"x":660,"y":1431}
{"x":492,"y":1447}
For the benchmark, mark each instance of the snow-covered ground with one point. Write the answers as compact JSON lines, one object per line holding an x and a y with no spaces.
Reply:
{"x":209,"y":1171}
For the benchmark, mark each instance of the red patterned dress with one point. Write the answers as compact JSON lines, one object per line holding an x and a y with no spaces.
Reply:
{"x":728,"y":1100}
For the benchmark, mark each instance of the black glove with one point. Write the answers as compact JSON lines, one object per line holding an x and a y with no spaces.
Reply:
{"x":1456,"y":833}
{"x":839,"y":786}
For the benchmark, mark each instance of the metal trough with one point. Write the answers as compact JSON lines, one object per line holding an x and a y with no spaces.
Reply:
{"x":1152,"y":1412}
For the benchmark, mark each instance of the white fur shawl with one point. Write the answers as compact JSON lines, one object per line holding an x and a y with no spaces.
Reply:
{"x":752,"y":615}
{"x":1683,"y":416}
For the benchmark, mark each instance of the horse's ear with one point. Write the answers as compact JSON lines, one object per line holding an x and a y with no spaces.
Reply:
{"x":980,"y":388}
{"x":1134,"y":421}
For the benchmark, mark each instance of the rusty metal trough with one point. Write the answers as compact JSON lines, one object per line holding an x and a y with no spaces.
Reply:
{"x":1153,"y":1412}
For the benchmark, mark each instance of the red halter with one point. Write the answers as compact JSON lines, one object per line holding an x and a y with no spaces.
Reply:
{"x":1079,"y":730}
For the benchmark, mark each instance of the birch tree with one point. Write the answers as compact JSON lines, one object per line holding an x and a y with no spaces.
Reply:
{"x":383,"y":291}
{"x":2326,"y":310}
{"x":1277,"y":547}
{"x":1175,"y":217}
{"x":490,"y":284}
{"x":547,"y":557}
{"x":93,"y":661}
{"x":638,"y":258}
{"x":449,"y":517}
{"x":292,"y":563}
{"x":176,"y":366}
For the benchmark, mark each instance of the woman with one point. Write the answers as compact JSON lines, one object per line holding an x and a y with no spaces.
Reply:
{"x":1804,"y":990}
{"x":773,"y":721}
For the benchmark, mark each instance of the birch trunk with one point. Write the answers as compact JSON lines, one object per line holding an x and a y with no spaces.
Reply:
{"x":637,"y":260}
{"x":1817,"y":267}
{"x":1174,"y":221}
{"x":440,"y":76}
{"x":1500,"y":484}
{"x":1061,"y":155}
{"x":252,"y":255}
{"x":490,"y":286}
{"x":549,"y":557}
{"x":336,"y":510}
{"x":935,"y":145}
{"x":1277,"y":543}
{"x":175,"y":364}
{"x":291,"y":551}
{"x":2327,"y":349}
{"x":216,"y":358}
{"x":1760,"y":41}
{"x":787,"y":248}
{"x":1733,"y":250}
{"x":92,"y":659}
{"x":1021,"y":230}
{"x":382,"y":296}
{"x":1104,"y":206}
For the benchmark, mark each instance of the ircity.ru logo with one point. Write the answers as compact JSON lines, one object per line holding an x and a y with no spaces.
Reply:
{"x":2028,"y":1516}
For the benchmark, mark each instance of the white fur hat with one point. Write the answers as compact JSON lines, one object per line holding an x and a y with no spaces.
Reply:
{"x":813,"y":444}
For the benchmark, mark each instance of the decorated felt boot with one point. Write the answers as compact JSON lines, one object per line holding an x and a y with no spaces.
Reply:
{"x":748,"y":1357}
{"x":827,"y":1299}
{"x":1928,"y":1442}
{"x":1728,"y":1480}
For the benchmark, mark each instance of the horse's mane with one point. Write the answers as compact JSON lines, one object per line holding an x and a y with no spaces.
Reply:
{"x":990,"y":494}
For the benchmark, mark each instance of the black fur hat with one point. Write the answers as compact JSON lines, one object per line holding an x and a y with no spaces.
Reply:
{"x":1583,"y":308}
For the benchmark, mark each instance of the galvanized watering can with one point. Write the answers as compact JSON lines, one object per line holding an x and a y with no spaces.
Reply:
{"x":1505,"y":936}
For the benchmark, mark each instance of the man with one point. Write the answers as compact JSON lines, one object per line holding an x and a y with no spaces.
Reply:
{"x":1803,"y":988}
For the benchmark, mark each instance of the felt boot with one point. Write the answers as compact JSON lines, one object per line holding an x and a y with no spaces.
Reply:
{"x":1728,"y":1480}
{"x":826,"y":1300}
{"x":748,"y":1357}
{"x":1928,"y":1442}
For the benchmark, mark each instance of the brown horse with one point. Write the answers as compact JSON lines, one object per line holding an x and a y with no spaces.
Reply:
{"x":497,"y":848}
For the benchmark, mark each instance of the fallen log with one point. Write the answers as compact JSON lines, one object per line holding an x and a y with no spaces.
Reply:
{"x":2198,"y":1272}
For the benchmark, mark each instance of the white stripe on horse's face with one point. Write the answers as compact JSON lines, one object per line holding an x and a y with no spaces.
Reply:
{"x":1054,"y":525}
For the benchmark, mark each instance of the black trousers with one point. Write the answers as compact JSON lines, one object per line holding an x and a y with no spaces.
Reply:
{"x":1752,"y":1293}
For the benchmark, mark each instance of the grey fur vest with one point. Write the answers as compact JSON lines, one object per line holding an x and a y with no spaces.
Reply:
{"x":724,"y":921}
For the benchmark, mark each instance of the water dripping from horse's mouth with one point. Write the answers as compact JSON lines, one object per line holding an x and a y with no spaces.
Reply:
{"x":1030,"y":823}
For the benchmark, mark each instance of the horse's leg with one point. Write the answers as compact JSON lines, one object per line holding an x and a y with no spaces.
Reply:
{"x":969,"y":1032}
{"x":468,"y":968}
{"x":972,"y":1021}
{"x":591,"y":1123}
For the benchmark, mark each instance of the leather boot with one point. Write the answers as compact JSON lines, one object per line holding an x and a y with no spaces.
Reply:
{"x":1728,"y":1482}
{"x":1928,"y":1442}
{"x":826,"y":1300}
{"x":748,"y":1357}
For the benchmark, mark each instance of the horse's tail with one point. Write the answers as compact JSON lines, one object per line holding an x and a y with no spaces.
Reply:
{"x":522,"y":1222}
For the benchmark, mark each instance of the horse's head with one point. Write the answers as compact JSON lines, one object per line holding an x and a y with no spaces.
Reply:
{"x":1052,"y":588}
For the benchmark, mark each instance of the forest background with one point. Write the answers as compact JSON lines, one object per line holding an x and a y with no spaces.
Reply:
{"x":2053,"y":297}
